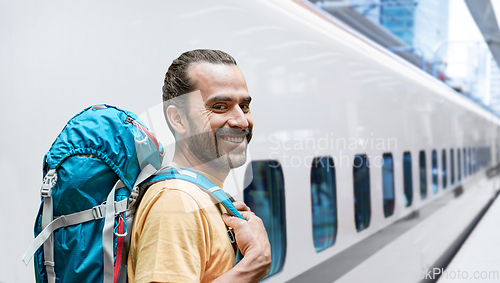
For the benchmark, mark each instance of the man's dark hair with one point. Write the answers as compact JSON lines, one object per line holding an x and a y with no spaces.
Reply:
{"x":177,"y":81}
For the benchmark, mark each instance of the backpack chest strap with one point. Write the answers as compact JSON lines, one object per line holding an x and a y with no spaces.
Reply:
{"x":96,"y":212}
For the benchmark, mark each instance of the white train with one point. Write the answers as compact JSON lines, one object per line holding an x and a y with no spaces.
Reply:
{"x":322,"y":96}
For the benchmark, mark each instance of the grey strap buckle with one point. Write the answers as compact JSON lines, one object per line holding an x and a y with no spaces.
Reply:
{"x":133,"y":196}
{"x":49,"y":263}
{"x":46,"y":192}
{"x":49,"y":181}
{"x":97,"y":212}
{"x":230,"y":233}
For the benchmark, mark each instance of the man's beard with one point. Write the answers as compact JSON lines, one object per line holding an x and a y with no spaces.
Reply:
{"x":205,"y":146}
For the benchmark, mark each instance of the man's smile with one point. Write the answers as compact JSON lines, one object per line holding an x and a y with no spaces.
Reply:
{"x":232,"y":139}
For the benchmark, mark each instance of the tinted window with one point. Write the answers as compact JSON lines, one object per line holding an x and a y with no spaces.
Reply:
{"x":459,"y":165}
{"x":465,"y":162}
{"x":477,"y":155}
{"x":266,"y":197}
{"x":489,"y":155}
{"x":498,"y":153}
{"x":452,"y":166}
{"x":388,"y":184}
{"x":323,"y":202}
{"x":474,"y":159}
{"x":434,"y":171}
{"x":423,"y":174}
{"x":443,"y":169}
{"x":361,"y":181}
{"x":477,"y":152}
{"x":408,"y":181}
{"x":470,"y":161}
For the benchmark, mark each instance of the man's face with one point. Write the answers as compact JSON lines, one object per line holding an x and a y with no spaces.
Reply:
{"x":220,"y":123}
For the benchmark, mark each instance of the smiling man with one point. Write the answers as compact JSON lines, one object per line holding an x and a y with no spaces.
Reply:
{"x":180,"y":233}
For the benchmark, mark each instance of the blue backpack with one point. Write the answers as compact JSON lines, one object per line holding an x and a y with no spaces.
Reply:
{"x":92,"y":174}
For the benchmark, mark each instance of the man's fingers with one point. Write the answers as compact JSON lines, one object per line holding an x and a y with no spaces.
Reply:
{"x":232,"y":221}
{"x":247,"y":215}
{"x":241,"y":206}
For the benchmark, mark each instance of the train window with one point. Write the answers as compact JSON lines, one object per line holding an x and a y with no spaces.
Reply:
{"x":483,"y":163}
{"x":481,"y":157}
{"x":265,"y":195}
{"x":465,"y":163}
{"x":388,"y":184}
{"x":459,"y":165}
{"x":470,"y":160}
{"x":434,"y":171}
{"x":452,"y":166}
{"x":477,"y":152}
{"x":423,"y":174}
{"x":408,"y":181}
{"x":443,"y":169}
{"x":498,"y":153}
{"x":489,"y":155}
{"x":474,"y":160}
{"x":361,"y":181}
{"x":323,"y":202}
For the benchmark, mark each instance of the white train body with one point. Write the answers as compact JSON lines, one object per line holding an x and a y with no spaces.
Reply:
{"x":318,"y":90}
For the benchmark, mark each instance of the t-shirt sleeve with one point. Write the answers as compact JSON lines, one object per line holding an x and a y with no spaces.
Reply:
{"x":173,"y":246}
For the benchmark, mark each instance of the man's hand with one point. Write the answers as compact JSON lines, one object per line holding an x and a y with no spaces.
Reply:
{"x":252,"y":240}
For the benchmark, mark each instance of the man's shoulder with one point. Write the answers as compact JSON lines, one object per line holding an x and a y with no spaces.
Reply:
{"x":176,"y":192}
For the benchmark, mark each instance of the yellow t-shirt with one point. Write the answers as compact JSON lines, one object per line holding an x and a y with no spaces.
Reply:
{"x":178,"y":236}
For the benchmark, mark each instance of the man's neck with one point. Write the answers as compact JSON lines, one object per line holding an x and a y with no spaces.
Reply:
{"x":192,"y":162}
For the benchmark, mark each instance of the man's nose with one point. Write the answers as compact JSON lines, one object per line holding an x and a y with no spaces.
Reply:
{"x":238,"y":119}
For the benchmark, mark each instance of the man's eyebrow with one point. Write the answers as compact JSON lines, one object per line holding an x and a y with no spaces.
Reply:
{"x":226,"y":98}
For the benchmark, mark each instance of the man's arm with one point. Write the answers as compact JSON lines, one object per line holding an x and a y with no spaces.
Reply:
{"x":252,"y":240}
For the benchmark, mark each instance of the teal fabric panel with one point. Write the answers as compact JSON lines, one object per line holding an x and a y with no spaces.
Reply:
{"x":83,"y":183}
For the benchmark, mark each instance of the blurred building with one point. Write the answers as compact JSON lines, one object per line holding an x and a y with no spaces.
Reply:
{"x":421,"y":24}
{"x":494,"y":85}
{"x":398,"y":16}
{"x":418,"y":31}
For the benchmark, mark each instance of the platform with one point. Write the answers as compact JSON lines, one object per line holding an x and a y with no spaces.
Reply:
{"x":478,"y":260}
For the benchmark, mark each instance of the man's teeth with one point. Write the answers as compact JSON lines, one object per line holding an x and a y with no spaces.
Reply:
{"x":237,"y":140}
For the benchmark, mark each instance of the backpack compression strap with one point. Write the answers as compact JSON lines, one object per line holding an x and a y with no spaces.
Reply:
{"x":198,"y":179}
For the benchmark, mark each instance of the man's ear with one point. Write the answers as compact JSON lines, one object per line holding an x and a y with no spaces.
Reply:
{"x":174,"y":117}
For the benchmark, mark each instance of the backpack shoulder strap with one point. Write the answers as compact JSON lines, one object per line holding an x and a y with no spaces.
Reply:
{"x":195,"y":177}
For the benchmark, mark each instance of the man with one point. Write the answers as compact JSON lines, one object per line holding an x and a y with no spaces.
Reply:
{"x":180,"y":234}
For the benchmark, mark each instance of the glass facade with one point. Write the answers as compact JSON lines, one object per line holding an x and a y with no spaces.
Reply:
{"x":399,"y":18}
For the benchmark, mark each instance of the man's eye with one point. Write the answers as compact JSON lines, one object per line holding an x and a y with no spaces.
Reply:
{"x":245,"y":107}
{"x":220,"y":107}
